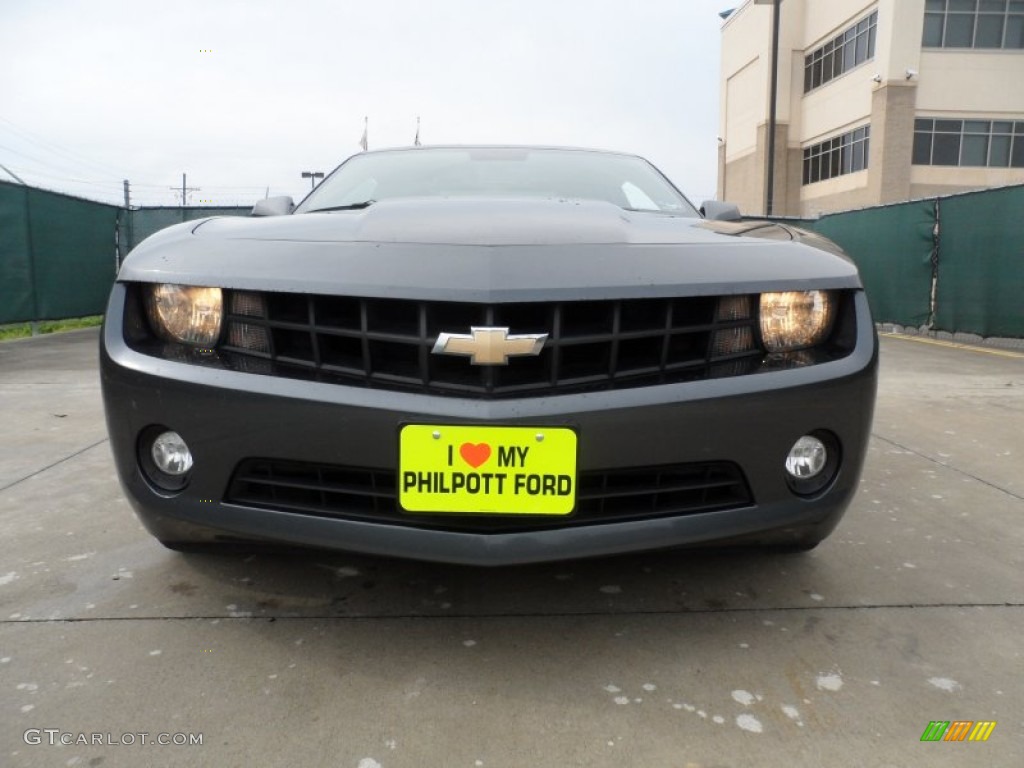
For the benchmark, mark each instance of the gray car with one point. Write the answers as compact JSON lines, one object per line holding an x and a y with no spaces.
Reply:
{"x":489,"y":355}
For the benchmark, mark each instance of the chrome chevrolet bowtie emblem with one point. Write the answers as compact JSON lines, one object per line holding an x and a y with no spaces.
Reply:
{"x":489,"y":346}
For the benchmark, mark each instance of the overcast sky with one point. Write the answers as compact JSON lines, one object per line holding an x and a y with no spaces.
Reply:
{"x":245,"y":95}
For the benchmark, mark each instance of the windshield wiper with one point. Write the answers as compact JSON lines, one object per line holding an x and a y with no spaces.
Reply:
{"x":349,"y":207}
{"x":662,"y":211}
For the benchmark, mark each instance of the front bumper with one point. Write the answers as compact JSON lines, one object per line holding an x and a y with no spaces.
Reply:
{"x":227,"y":417}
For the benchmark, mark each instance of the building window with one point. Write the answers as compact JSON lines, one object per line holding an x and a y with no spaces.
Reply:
{"x":841,"y":54}
{"x":974,"y":24}
{"x":843,"y":154}
{"x":979,"y":143}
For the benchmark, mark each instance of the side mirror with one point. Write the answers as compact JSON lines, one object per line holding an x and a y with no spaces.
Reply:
{"x":274,"y":206}
{"x":719,"y":211}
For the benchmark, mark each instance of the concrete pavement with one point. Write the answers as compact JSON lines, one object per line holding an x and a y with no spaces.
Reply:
{"x":912,"y":612}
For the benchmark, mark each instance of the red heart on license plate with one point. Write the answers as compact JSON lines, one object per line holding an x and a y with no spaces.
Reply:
{"x":475,"y":455}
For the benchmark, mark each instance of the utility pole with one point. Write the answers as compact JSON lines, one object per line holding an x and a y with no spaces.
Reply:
{"x":185,"y":190}
{"x":127,"y":195}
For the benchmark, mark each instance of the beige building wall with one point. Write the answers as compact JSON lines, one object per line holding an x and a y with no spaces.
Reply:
{"x":930,"y":180}
{"x":899,"y":39}
{"x":962,"y":85}
{"x":965,"y":83}
{"x":743,"y":86}
{"x":744,"y":107}
{"x":888,"y":92}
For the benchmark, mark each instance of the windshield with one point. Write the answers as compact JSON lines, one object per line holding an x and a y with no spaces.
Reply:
{"x":626,"y":181}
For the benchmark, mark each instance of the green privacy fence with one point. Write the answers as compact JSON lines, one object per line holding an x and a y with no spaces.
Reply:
{"x":952,"y":263}
{"x":893,"y":248}
{"x":981,"y":263}
{"x":59,"y":254}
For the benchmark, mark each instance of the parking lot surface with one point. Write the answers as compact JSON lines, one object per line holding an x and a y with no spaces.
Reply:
{"x":912,"y":612}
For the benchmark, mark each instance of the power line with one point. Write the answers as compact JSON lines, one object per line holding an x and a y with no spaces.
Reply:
{"x":102,"y":182}
{"x":55,"y":148}
{"x":142,"y":193}
{"x":48,"y":168}
{"x":30,"y":169}
{"x":147,"y":201}
{"x":27,"y":157}
{"x":90,"y":182}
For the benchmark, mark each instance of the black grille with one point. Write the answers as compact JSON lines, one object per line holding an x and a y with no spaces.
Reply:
{"x":591,"y":344}
{"x":354,"y":493}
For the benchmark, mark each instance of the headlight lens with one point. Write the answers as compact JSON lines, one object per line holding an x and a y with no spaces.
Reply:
{"x":796,"y":319}
{"x":185,"y":313}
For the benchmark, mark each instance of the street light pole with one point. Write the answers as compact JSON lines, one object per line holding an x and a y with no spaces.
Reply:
{"x":770,"y":180}
{"x":312,"y":176}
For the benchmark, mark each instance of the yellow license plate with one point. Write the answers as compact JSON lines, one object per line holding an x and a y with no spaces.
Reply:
{"x":487,"y":470}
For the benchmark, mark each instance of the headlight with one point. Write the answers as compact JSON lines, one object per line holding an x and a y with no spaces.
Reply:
{"x":796,"y":319}
{"x":185,"y":314}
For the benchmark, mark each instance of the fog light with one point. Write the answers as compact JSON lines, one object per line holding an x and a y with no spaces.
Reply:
{"x":171,"y":455}
{"x":806,"y":458}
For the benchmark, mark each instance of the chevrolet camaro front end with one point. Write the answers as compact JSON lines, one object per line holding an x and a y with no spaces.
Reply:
{"x":488,"y":356}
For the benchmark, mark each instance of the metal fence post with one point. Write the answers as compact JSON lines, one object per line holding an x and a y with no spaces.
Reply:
{"x":934,"y":294}
{"x":34,"y":322}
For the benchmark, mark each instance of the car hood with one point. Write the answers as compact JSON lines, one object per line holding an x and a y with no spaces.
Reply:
{"x":488,"y":250}
{"x":447,"y":221}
